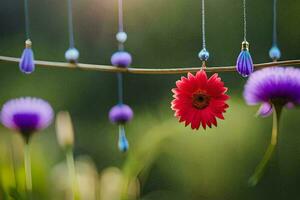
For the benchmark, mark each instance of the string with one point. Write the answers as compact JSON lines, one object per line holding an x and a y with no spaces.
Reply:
{"x":203,"y":25}
{"x":26,"y":11}
{"x":70,"y":24}
{"x":245,"y":20}
{"x":121,"y":48}
{"x":121,"y":16}
{"x":274,"y":22}
{"x":120,"y":88}
{"x":121,"y":24}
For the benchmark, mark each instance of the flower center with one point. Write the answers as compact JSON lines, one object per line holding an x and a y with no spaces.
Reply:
{"x":200,"y":99}
{"x":27,"y":123}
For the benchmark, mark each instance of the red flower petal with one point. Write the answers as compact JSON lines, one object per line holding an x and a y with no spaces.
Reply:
{"x":199,"y":100}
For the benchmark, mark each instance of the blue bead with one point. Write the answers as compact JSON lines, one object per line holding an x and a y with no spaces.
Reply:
{"x":72,"y":55}
{"x":274,"y":53}
{"x":203,"y":55}
{"x":123,"y":142}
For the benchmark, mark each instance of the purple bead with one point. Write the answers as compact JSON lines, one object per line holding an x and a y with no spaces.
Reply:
{"x":121,"y":59}
{"x":244,"y":64}
{"x":26,"y":115}
{"x":26,"y":64}
{"x":120,"y":113}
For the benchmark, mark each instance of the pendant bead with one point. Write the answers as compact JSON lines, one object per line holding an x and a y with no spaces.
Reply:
{"x":275,"y":53}
{"x":72,"y":55}
{"x":121,"y":36}
{"x":121,"y":59}
{"x":203,"y":55}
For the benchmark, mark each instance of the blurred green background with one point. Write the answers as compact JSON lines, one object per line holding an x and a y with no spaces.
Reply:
{"x":171,"y":162}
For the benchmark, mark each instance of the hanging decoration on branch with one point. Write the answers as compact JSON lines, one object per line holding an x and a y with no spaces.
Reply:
{"x":244,"y":63}
{"x":121,"y":113}
{"x":26,"y":64}
{"x":203,"y":54}
{"x":198,"y":99}
{"x":72,"y":54}
{"x":274,"y":52}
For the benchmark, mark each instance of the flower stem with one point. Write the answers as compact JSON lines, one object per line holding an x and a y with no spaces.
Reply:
{"x":72,"y":172}
{"x":27,"y":163}
{"x":259,"y":171}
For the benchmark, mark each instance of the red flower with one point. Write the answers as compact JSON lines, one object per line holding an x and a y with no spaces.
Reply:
{"x":199,"y":100}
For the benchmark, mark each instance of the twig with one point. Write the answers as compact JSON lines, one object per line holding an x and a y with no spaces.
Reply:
{"x":136,"y":70}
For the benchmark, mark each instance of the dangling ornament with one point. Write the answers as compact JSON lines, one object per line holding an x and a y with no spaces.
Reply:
{"x":274,"y":52}
{"x":26,"y":64}
{"x":244,"y":63}
{"x":198,"y":99}
{"x":72,"y":54}
{"x":121,"y":113}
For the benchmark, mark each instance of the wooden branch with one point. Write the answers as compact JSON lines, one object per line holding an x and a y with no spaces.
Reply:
{"x":136,"y":70}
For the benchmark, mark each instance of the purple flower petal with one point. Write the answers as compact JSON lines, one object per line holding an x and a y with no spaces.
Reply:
{"x":265,"y":110}
{"x":26,"y":64}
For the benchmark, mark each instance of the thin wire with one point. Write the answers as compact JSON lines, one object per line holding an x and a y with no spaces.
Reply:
{"x":121,"y":26}
{"x":120,"y":88}
{"x":274,"y":22}
{"x":121,"y":48}
{"x":245,"y":20}
{"x":70,"y":24}
{"x":27,"y":23}
{"x":203,"y":25}
{"x":121,"y":23}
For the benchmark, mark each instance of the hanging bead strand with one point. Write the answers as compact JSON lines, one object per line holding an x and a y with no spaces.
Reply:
{"x":244,"y":64}
{"x":203,"y":54}
{"x":121,"y":113}
{"x":274,"y":52}
{"x":26,"y":64}
{"x":72,"y":54}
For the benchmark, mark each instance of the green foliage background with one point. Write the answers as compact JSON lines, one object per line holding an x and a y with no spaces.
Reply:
{"x":213,"y":164}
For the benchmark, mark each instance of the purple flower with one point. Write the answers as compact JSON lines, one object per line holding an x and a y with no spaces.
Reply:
{"x":26,"y":64}
{"x":244,"y":63}
{"x":120,"y":113}
{"x":276,"y":85}
{"x":26,"y":115}
{"x":121,"y":59}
